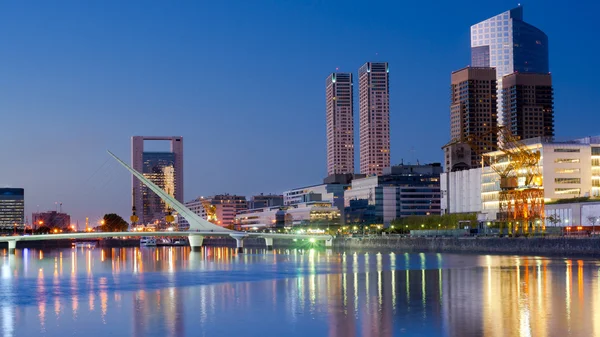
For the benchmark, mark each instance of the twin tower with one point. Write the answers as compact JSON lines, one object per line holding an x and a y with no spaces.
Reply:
{"x":374,"y":120}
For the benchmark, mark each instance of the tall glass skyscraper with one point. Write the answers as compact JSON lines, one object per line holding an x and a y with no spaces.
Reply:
{"x":165,"y":169}
{"x":509,"y":44}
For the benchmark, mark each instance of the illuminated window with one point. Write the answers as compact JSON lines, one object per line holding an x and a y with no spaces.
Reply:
{"x":567,"y":180}
{"x":575,"y":191}
{"x":569,"y":170}
{"x":566,"y":160}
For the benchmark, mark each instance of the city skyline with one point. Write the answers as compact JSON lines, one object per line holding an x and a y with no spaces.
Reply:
{"x":106,"y":97}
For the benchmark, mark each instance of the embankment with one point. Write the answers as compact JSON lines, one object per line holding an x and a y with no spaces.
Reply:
{"x":562,"y":246}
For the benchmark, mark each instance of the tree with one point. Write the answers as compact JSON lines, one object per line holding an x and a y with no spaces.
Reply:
{"x":593,"y":220}
{"x":554,"y":219}
{"x":113,"y":223}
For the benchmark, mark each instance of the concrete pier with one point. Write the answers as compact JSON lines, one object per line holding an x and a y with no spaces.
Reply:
{"x":269,"y":243}
{"x":196,"y":242}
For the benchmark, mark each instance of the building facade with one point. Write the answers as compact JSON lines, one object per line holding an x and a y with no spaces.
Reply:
{"x":316,"y":213}
{"x":332,"y":193}
{"x":51,"y":219}
{"x":473,"y":117}
{"x":401,"y":191}
{"x":461,"y":191}
{"x":12,"y":208}
{"x":509,"y":44}
{"x":165,"y":169}
{"x":340,"y":123}
{"x":196,"y":206}
{"x":374,"y":117}
{"x":529,"y":104}
{"x":265,"y":200}
{"x":226,"y":206}
{"x":568,"y":169}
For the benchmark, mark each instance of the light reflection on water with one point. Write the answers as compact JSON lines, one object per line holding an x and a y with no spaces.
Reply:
{"x":216,"y":292}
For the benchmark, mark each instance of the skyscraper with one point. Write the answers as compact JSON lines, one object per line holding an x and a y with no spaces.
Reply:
{"x":12,"y":207}
{"x":374,"y":117}
{"x":472,"y":117}
{"x":340,"y":123}
{"x":509,"y":44}
{"x":165,"y":169}
{"x":528,"y":104}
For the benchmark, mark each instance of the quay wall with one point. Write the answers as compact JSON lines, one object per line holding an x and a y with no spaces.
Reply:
{"x":589,"y":246}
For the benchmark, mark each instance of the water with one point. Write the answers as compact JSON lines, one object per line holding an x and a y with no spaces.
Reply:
{"x":216,"y":292}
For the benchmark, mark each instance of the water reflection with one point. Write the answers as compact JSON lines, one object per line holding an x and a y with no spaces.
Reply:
{"x":176,"y":292}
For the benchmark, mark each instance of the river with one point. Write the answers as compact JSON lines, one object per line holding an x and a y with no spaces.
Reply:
{"x":171,"y":291}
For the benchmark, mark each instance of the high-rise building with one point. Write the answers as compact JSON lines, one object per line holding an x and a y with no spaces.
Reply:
{"x":472,"y":115}
{"x":165,"y":169}
{"x":340,"y":123}
{"x":12,"y":207}
{"x":509,"y":44}
{"x":374,"y":117}
{"x":528,"y":104}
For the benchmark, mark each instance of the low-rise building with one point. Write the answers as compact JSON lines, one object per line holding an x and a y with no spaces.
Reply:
{"x":573,"y":214}
{"x":317,"y":213}
{"x":265,"y":200}
{"x":51,"y":219}
{"x":332,"y":193}
{"x":401,"y":191}
{"x":196,"y":206}
{"x":568,"y":169}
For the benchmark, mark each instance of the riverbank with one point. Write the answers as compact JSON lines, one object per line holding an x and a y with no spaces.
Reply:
{"x":554,"y":246}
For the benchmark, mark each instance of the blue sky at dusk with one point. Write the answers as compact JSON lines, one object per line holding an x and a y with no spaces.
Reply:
{"x":243,"y":83}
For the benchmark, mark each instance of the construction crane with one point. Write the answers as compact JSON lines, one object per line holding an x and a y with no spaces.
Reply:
{"x":211,"y":210}
{"x":521,"y":194}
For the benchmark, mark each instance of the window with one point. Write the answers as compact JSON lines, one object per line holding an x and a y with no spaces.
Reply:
{"x":595,"y":151}
{"x":575,"y":191}
{"x":569,"y":170}
{"x":566,"y":160}
{"x":566,"y":150}
{"x":567,"y":180}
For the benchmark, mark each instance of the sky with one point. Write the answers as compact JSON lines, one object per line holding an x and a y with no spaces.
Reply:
{"x":244,"y":83}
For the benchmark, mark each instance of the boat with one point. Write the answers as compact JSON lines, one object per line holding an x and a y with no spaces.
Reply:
{"x":147,"y":241}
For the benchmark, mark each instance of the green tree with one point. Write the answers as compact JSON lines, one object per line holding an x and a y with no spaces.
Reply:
{"x":113,"y":223}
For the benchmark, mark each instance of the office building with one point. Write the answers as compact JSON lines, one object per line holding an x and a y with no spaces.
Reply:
{"x":165,"y":169}
{"x":265,"y":200}
{"x":508,"y":44}
{"x":401,"y":191}
{"x":12,"y":207}
{"x":332,"y":193}
{"x":314,"y":213}
{"x":196,"y":206}
{"x":568,"y":169}
{"x":473,"y":117}
{"x":340,"y":123}
{"x":51,"y":219}
{"x":226,"y":206}
{"x":528,"y":104}
{"x":374,"y":117}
